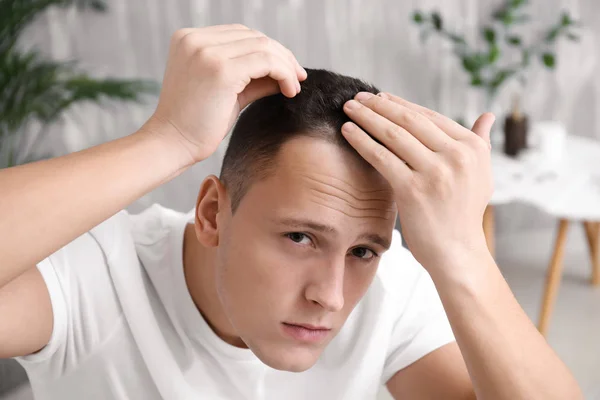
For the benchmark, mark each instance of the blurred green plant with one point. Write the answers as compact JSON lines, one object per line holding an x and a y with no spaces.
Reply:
{"x":34,"y":88}
{"x":505,"y":54}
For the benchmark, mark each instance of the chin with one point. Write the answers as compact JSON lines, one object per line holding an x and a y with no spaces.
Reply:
{"x":287,"y":358}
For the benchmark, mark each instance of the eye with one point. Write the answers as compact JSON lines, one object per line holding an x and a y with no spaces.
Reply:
{"x":299,"y":237}
{"x":363,"y":253}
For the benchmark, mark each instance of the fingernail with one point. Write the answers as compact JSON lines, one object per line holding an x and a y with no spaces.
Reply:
{"x":348,"y":127}
{"x":363,"y":96}
{"x":352,"y":105}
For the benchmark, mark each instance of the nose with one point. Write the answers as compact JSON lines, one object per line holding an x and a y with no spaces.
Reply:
{"x":327,"y":286}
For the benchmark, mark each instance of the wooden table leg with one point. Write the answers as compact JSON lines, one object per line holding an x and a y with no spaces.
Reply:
{"x":553,"y":276}
{"x":489,"y":228}
{"x":593,"y":237}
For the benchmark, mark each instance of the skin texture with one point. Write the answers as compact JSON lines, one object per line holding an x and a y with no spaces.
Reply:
{"x":247,"y":275}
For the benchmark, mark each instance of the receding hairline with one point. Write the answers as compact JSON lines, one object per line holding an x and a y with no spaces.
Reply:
{"x":263,"y":167}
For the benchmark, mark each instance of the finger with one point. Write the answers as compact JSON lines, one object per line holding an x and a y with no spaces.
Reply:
{"x":257,"y":89}
{"x":381,"y":158}
{"x":288,"y":53}
{"x":199,"y":38}
{"x":394,"y":137}
{"x":412,"y":121}
{"x":483,"y":126}
{"x":206,"y":32}
{"x":451,"y":127}
{"x":259,"y":65}
{"x":260,"y":44}
{"x":223,"y":37}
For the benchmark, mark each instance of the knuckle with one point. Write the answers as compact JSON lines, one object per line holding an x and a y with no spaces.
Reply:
{"x":178,"y":35}
{"x":210,"y":60}
{"x":407,"y":117}
{"x":381,"y":155}
{"x":264,"y":42}
{"x":441,"y":181}
{"x":189,"y":43}
{"x":238,"y":26}
{"x":391,"y":132}
{"x":461,"y":158}
{"x":257,"y":33}
{"x":431,"y":114}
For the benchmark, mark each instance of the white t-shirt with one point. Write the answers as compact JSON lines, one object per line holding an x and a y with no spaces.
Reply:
{"x":125,"y":326}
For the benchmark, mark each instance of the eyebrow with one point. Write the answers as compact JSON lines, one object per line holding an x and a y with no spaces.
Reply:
{"x":319,"y":227}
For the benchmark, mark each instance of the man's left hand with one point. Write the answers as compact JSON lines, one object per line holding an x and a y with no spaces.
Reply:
{"x":440,"y":172}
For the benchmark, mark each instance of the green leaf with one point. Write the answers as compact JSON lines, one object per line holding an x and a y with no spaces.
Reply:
{"x":470,"y":64}
{"x":99,"y":6}
{"x":437,"y":21}
{"x":417,"y":17}
{"x":552,"y":34}
{"x":475,"y":62}
{"x":549,"y":60}
{"x":499,"y":14}
{"x":573,"y":37}
{"x":489,"y":34}
{"x":500,"y":77}
{"x":494,"y":54}
{"x":476,"y":81}
{"x":566,"y":19}
{"x":517,"y":3}
{"x":508,"y":19}
{"x":514,"y":40}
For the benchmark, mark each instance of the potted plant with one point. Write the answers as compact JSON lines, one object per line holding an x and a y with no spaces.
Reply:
{"x":503,"y":55}
{"x":33,"y":88}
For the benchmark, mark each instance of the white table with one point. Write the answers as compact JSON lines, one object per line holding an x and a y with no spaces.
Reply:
{"x":568,"y":189}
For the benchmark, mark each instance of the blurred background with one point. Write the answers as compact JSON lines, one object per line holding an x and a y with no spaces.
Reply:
{"x":77,"y":73}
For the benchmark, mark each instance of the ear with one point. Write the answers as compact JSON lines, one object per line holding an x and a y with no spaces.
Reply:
{"x":212,"y":208}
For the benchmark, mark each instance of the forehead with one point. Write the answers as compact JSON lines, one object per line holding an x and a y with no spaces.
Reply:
{"x":319,"y":178}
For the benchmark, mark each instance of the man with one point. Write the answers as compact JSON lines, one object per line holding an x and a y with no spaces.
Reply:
{"x":276,"y":286}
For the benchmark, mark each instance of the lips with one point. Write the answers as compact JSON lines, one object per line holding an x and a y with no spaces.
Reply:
{"x":306,"y":332}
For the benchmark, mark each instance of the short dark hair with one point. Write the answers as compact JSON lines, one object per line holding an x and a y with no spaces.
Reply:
{"x":266,"y":124}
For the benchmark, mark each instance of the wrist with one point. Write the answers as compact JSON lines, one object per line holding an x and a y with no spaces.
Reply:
{"x":461,"y":264}
{"x":171,"y":141}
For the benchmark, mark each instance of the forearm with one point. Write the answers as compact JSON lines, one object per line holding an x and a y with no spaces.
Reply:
{"x":49,"y":203}
{"x":506,"y":356}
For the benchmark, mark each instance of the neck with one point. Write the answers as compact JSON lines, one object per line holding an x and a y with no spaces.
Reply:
{"x":200,"y":277}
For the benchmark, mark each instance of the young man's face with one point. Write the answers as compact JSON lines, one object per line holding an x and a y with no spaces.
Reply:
{"x":301,"y":249}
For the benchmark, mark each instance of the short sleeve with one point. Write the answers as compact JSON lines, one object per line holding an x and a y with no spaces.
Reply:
{"x":422,"y":325}
{"x":84,"y":305}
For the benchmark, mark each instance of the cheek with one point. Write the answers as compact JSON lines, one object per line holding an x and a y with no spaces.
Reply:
{"x":255,"y":275}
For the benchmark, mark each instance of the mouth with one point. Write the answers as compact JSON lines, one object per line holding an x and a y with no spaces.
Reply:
{"x":305,"y":332}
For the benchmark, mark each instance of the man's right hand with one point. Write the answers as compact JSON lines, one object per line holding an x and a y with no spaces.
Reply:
{"x":212,"y":74}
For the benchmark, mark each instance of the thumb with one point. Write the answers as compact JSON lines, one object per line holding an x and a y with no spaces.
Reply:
{"x":483,"y":126}
{"x":257,"y":89}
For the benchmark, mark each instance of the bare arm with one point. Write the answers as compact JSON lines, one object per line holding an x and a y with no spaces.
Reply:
{"x":441,"y":174}
{"x":212,"y":73}
{"x":52,"y":202}
{"x":441,"y":374}
{"x":506,"y":356}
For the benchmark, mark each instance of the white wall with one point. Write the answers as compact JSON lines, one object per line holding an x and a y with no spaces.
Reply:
{"x":374,"y":40}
